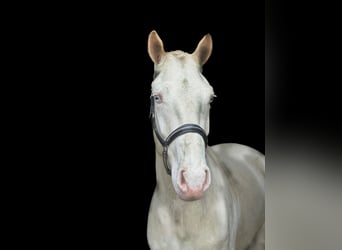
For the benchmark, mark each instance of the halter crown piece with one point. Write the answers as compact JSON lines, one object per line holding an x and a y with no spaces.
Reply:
{"x":183,"y":129}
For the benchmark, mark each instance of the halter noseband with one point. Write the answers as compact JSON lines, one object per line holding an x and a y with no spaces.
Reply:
{"x":183,"y":129}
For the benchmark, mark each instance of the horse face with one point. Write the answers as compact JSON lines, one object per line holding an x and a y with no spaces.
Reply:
{"x":182,"y":95}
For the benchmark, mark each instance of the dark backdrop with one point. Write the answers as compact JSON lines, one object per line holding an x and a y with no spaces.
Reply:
{"x":98,"y":138}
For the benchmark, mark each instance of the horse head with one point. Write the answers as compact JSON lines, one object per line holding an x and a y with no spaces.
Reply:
{"x":180,"y":105}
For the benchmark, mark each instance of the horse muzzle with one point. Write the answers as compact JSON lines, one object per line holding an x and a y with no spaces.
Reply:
{"x":192,"y":184}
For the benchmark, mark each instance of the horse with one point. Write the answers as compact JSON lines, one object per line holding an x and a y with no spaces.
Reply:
{"x":206,"y":197}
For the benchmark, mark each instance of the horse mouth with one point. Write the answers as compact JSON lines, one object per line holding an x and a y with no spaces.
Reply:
{"x":190,"y":196}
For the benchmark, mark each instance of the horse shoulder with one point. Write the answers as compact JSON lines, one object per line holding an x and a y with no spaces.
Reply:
{"x":243,"y":164}
{"x":245,"y":167}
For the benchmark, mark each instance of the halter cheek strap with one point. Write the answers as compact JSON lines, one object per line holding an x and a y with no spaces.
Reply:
{"x":183,"y":129}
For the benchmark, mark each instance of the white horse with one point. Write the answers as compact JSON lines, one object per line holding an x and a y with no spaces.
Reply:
{"x":205,"y":197}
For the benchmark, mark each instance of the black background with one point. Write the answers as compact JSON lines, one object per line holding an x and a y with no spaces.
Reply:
{"x":90,"y":152}
{"x":94,"y":108}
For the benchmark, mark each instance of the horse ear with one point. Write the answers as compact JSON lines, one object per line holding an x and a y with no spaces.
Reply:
{"x":155,"y":47}
{"x":203,"y":49}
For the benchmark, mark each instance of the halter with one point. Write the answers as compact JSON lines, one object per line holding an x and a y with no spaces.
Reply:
{"x":183,"y":129}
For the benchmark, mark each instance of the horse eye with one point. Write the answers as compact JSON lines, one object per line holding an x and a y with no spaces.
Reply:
{"x":212,"y":98}
{"x":157,"y":98}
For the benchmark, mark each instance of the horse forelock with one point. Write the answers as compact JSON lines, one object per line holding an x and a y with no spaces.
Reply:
{"x":178,"y":62}
{"x":179,"y":54}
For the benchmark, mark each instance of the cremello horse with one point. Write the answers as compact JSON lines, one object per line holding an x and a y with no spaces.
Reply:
{"x":206,"y":197}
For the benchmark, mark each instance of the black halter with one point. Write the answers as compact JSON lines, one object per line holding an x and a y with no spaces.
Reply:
{"x":186,"y":128}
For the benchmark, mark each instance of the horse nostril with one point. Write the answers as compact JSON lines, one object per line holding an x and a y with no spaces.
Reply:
{"x":182,"y":182}
{"x":206,"y":180}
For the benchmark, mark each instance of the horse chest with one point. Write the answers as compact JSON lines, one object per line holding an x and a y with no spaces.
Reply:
{"x":189,"y":226}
